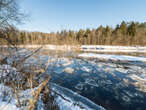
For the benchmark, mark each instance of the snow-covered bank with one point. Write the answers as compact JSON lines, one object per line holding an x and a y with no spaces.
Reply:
{"x":113,"y":57}
{"x":105,"y":48}
{"x":89,"y":48}
{"x":50,"y":47}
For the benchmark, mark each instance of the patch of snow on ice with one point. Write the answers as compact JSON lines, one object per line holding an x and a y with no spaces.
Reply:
{"x":69,"y":70}
{"x":86,"y":68}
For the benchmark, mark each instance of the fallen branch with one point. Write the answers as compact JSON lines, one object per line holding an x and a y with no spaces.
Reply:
{"x":33,"y":101}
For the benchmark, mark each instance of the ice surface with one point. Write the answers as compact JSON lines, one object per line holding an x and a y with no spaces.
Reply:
{"x":75,"y":101}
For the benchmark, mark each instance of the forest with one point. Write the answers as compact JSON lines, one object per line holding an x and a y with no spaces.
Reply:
{"x":125,"y":34}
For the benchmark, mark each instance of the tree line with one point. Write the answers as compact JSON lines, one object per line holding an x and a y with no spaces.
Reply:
{"x":126,"y":33}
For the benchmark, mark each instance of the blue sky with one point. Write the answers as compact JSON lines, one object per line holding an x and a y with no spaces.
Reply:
{"x":56,"y":15}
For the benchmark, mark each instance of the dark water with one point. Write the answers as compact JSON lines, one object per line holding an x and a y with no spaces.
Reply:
{"x":106,"y":84}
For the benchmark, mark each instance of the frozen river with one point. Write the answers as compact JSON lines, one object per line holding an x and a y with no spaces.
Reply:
{"x":114,"y":82}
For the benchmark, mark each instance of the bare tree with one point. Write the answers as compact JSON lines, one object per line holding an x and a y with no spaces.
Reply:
{"x":10,"y":15}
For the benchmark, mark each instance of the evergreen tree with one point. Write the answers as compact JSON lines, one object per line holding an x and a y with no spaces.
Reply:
{"x":132,"y":29}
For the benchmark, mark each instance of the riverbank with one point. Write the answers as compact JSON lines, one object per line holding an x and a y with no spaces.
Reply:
{"x":90,"y":48}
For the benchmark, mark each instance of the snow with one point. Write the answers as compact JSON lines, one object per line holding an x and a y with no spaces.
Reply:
{"x":106,"y":48}
{"x":7,"y":101}
{"x":86,"y":68}
{"x":69,"y":70}
{"x":91,"y":48}
{"x":50,"y":47}
{"x":113,"y":57}
{"x":65,"y":105}
{"x":7,"y":106}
